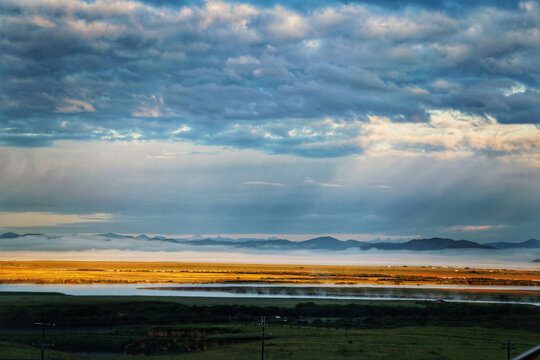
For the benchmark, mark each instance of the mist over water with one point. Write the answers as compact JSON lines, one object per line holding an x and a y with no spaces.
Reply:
{"x":98,"y":248}
{"x":358,"y":292}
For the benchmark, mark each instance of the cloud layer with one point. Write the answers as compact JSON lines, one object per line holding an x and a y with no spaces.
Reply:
{"x":283,"y":78}
{"x":213,"y":190}
{"x":373,"y":117}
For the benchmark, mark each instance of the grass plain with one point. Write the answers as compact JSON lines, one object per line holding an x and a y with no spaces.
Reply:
{"x":105,"y":272}
{"x":111,"y":326}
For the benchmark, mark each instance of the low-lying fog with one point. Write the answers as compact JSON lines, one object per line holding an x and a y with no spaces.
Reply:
{"x":93,"y":247}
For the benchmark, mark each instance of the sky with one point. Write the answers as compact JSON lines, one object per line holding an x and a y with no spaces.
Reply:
{"x":359,"y":119}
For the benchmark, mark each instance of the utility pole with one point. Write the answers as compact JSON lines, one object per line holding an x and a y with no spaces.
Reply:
{"x":263,"y":324}
{"x":509,"y":347}
{"x":42,"y":343}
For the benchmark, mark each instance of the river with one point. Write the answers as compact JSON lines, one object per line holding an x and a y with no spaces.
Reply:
{"x":449,"y":293}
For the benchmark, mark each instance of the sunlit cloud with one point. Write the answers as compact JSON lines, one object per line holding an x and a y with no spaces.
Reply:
{"x":450,"y":131}
{"x":34,"y":219}
{"x":477,"y":227}
{"x":75,"y":106}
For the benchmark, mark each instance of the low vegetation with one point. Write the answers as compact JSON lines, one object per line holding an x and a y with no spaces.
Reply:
{"x":168,"y":328}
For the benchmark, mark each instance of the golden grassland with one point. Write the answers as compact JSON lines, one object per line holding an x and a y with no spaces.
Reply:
{"x":106,"y":272}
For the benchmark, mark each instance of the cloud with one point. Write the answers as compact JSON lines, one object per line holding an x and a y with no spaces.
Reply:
{"x":261,"y":75}
{"x":477,"y":227}
{"x":449,"y":131}
{"x":181,"y":129}
{"x":262,"y":183}
{"x":74,"y":106}
{"x":310,"y":181}
{"x":78,"y":248}
{"x":40,"y":219}
{"x":380,"y":186}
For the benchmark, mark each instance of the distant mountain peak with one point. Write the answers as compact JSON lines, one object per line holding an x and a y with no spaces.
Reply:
{"x":528,"y":244}
{"x":116,"y":236}
{"x":9,"y":235}
{"x":330,"y":243}
{"x":322,"y":239}
{"x":434,"y":243}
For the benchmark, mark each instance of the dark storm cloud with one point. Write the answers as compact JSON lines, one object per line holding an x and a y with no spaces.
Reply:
{"x":259,"y":75}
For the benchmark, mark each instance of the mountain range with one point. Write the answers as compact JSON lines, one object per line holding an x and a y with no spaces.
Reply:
{"x":323,"y":243}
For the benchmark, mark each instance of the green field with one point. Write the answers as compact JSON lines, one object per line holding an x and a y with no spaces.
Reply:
{"x":205,"y":328}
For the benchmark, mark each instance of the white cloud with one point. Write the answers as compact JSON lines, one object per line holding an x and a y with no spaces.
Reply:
{"x":312,"y":43}
{"x":262,"y":183}
{"x":75,"y":106}
{"x":449,"y":131}
{"x":417,"y":90}
{"x":286,"y":24}
{"x":181,"y":129}
{"x":115,"y":135}
{"x":235,"y":16}
{"x":161,"y":157}
{"x":527,"y":6}
{"x":152,"y":112}
{"x":242,"y":61}
{"x":41,"y":21}
{"x":380,"y":186}
{"x":445,"y":85}
{"x":311,"y":181}
{"x":95,"y":29}
{"x":515,"y":89}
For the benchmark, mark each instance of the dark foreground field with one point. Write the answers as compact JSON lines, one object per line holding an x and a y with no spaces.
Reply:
{"x":203,"y":328}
